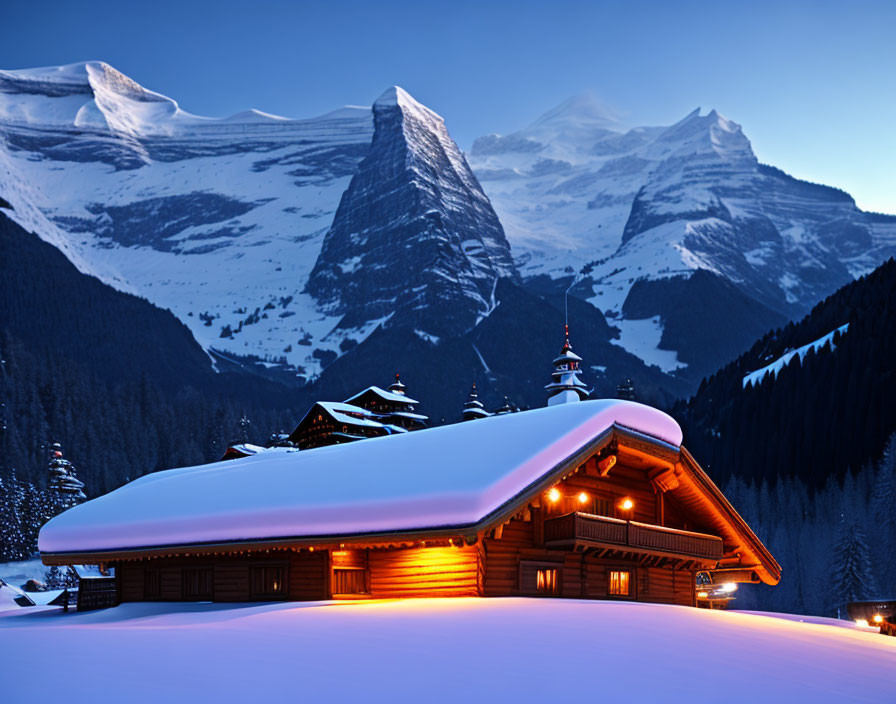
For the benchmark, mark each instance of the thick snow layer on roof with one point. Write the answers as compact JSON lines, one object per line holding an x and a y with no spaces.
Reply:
{"x":387,"y":395}
{"x":513,"y":650}
{"x":448,"y":476}
{"x":756,"y":377}
{"x":349,"y":414}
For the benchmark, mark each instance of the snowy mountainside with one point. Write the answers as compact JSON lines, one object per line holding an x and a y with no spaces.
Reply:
{"x":579,"y":194}
{"x":414,"y":240}
{"x":219,"y":220}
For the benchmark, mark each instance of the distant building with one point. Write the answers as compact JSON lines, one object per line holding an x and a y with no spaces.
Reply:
{"x":566,"y":387}
{"x":473,"y":408}
{"x":508,"y":407}
{"x":371,"y":413}
{"x":626,"y":390}
{"x":391,"y":407}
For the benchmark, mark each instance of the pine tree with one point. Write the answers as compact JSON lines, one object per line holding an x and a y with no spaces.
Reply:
{"x":13,"y":539}
{"x":883,"y":512}
{"x":853,"y":578}
{"x":65,"y":487}
{"x":56,"y":578}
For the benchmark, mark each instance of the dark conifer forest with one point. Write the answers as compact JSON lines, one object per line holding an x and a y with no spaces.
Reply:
{"x":120,"y":383}
{"x":822,"y":415}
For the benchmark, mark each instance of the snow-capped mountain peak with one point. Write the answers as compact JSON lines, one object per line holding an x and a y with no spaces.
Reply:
{"x":584,"y":110}
{"x":89,"y":95}
{"x":415,"y":239}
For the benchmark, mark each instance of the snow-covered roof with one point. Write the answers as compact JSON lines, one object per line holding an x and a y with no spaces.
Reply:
{"x":348,"y":414}
{"x":449,"y":476}
{"x":408,"y":414}
{"x":567,"y":355}
{"x":385,"y":395}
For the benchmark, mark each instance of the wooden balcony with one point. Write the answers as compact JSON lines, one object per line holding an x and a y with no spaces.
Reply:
{"x":587,"y":530}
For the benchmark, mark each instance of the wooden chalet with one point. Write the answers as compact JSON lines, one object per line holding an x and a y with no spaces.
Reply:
{"x":329,"y":423}
{"x":391,"y":406}
{"x":595,"y":499}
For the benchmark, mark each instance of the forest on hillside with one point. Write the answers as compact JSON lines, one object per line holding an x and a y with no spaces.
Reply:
{"x":835,"y":544}
{"x":822,"y":415}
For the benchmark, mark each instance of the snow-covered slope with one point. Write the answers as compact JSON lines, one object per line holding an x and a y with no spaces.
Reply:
{"x":415,"y":240}
{"x":220,"y":220}
{"x":578,"y":193}
{"x":775,"y":367}
{"x":402,"y":651}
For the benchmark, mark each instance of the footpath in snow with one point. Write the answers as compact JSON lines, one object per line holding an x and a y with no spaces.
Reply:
{"x":441,"y":650}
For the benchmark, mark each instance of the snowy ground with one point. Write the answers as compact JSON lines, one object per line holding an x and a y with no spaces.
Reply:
{"x":461,"y":650}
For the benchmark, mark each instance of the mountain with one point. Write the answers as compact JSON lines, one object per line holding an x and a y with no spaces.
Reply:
{"x":218,"y":220}
{"x":285,"y":244}
{"x":621,"y":209}
{"x":122,"y":384}
{"x":415,"y":241}
{"x":812,"y":399}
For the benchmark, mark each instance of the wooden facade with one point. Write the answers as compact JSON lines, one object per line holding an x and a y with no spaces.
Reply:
{"x":624,"y":519}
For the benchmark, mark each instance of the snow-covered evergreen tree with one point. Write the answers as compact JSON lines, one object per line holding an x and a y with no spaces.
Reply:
{"x":853,"y":579}
{"x":60,"y":578}
{"x":13,"y":538}
{"x":65,"y":488}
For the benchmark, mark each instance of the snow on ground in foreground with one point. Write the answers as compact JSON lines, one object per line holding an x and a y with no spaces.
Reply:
{"x":458,"y":650}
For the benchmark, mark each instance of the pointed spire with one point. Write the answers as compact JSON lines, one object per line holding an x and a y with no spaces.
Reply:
{"x":397,"y":387}
{"x":565,"y":386}
{"x":473,"y":408}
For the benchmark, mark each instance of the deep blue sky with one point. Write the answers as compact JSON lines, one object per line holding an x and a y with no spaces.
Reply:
{"x":812,"y":83}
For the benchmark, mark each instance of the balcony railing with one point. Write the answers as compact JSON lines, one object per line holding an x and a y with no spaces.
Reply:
{"x":586,"y":528}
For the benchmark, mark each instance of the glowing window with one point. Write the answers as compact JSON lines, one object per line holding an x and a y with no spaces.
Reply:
{"x":620,"y":583}
{"x":349,"y":581}
{"x":546,"y":581}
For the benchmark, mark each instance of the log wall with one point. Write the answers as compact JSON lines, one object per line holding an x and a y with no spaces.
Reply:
{"x":422,"y":572}
{"x":306,"y":576}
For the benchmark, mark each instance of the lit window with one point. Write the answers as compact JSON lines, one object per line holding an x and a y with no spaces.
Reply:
{"x":620,"y":583}
{"x":546,"y":581}
{"x":349,"y":581}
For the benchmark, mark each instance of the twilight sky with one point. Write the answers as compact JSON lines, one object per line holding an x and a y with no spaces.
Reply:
{"x":812,"y":83}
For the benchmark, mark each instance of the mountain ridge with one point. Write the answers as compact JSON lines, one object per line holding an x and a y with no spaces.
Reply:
{"x":225,"y":220}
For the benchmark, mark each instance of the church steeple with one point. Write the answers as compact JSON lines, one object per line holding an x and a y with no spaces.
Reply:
{"x":473,"y":407}
{"x":565,"y":386}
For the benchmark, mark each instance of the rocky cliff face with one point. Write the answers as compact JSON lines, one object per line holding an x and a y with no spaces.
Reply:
{"x":415,"y":241}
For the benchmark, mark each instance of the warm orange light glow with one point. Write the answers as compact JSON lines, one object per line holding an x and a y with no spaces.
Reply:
{"x":554,"y":495}
{"x":878,"y":618}
{"x":702,"y":595}
{"x":340,"y":553}
{"x":546,"y":581}
{"x":619,"y":582}
{"x":626,"y":504}
{"x":583,"y":497}
{"x":862,"y":623}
